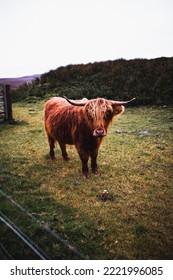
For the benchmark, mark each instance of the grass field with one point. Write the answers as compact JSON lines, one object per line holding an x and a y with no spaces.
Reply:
{"x":136,"y":167}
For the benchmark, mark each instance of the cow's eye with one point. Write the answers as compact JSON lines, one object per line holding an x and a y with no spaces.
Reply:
{"x":108,"y":114}
{"x":90,"y":117}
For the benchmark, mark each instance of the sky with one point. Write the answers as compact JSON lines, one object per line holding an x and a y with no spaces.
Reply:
{"x":37,"y":36}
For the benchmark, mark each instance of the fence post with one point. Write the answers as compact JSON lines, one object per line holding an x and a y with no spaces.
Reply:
{"x":8,"y":103}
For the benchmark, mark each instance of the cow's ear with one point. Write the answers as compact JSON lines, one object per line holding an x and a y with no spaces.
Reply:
{"x":117,"y":109}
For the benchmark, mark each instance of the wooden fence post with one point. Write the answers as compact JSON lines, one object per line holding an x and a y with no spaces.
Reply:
{"x":8,"y":102}
{"x":5,"y":103}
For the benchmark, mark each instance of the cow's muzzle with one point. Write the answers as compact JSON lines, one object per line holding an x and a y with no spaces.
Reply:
{"x":99,"y":133}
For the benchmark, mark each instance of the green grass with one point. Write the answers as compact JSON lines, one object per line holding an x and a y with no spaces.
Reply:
{"x":136,"y":166}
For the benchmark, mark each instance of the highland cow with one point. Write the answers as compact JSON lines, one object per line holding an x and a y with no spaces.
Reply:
{"x":82,"y":123}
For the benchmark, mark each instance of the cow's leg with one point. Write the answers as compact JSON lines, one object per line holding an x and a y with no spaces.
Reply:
{"x":93,"y":155}
{"x":63,"y":149}
{"x":52,"y":146}
{"x":84,"y":156}
{"x":85,"y":166}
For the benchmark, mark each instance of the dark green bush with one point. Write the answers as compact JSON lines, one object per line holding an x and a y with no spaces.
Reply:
{"x":150,"y":81}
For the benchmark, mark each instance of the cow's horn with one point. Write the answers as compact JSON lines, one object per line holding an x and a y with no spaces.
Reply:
{"x":76,"y":103}
{"x":123,"y":102}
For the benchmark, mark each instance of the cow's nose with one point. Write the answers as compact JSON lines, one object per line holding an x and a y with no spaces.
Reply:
{"x":99,"y":132}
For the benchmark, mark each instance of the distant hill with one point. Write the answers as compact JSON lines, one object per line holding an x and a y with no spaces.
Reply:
{"x":149,"y":80}
{"x":17,"y":82}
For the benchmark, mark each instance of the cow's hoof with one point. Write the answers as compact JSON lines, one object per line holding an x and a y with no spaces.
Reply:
{"x":86,"y":176}
{"x":52,"y":158}
{"x":96,"y":172}
{"x":66,"y":158}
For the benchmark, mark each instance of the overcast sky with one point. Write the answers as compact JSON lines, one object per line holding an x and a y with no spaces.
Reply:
{"x":39,"y":35}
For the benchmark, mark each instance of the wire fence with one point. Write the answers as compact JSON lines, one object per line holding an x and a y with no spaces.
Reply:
{"x":29,"y":242}
{"x":23,"y":237}
{"x":4,"y":254}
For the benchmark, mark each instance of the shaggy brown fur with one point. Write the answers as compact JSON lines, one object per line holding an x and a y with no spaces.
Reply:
{"x":83,"y":126}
